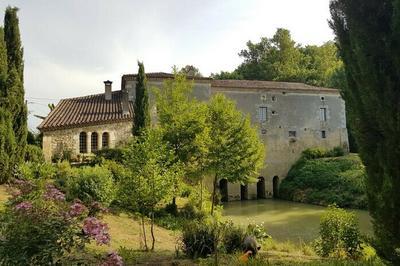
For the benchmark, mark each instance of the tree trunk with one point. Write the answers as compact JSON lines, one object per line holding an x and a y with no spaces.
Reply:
{"x":153,"y":239}
{"x":213,"y":194}
{"x":144,"y":234}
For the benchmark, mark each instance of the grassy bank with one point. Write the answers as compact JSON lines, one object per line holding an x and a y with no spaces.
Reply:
{"x":325,"y":181}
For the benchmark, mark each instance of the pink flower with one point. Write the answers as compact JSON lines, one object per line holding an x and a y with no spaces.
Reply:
{"x":97,"y":230}
{"x":113,"y":259}
{"x":76,"y":209}
{"x":24,"y":206}
{"x":52,"y":193}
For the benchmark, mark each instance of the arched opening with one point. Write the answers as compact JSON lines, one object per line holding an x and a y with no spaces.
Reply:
{"x":261,"y":188}
{"x":223,"y":189}
{"x":105,"y":140}
{"x":94,"y":142}
{"x":83,"y":142}
{"x":275,"y":186}
{"x":244,"y":192}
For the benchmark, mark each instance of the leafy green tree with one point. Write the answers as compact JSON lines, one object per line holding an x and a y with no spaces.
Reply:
{"x":368,"y":35}
{"x":183,"y":121}
{"x":235,"y":151}
{"x":190,"y":71}
{"x":15,"y":89}
{"x":151,"y":178}
{"x":141,"y":119}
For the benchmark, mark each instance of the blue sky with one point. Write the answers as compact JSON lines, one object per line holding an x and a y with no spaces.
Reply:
{"x":72,"y":46}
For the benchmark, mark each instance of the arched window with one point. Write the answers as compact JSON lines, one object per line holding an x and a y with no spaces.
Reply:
{"x":95,"y":141}
{"x":105,"y":140}
{"x":83,"y":142}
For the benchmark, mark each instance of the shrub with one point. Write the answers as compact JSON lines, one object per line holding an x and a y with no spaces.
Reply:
{"x":117,"y":170}
{"x":63,"y":155}
{"x":38,"y":227}
{"x":113,"y":154}
{"x":339,"y":234}
{"x":233,"y":237}
{"x":91,"y":184}
{"x":198,"y":239}
{"x":258,"y":231}
{"x":315,"y":153}
{"x":34,"y":170}
{"x":34,"y":154}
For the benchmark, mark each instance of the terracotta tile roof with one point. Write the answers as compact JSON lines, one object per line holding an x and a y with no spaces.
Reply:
{"x":87,"y":110}
{"x":162,"y":75}
{"x":272,"y":85}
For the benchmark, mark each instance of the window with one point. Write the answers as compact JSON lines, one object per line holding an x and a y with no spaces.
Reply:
{"x":292,"y":134}
{"x":94,"y":142}
{"x":322,"y":114}
{"x":105,"y":140}
{"x":82,"y":142}
{"x":273,"y":98}
{"x":323,"y":134}
{"x":262,"y":114}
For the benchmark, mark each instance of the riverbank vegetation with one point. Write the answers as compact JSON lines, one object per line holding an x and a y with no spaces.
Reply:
{"x":326,"y":177}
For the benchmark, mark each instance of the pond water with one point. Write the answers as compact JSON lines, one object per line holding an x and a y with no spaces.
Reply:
{"x":285,"y":220}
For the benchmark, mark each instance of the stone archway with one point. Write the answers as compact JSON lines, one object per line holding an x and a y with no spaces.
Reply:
{"x":275,"y":186}
{"x":223,"y":189}
{"x":261,"y":188}
{"x":244,"y":192}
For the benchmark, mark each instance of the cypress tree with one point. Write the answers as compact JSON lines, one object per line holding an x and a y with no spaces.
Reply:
{"x":15,"y":89}
{"x":368,"y":37}
{"x":141,"y":118}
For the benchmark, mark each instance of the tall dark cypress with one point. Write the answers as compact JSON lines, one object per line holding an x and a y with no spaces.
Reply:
{"x":15,"y":81}
{"x":141,"y":118}
{"x":7,"y":139}
{"x":368,"y":37}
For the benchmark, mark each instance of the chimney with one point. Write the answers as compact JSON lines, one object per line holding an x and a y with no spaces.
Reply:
{"x":108,"y":89}
{"x":125,"y":103}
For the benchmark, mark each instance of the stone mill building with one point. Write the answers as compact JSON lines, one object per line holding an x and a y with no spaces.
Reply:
{"x":290,"y":117}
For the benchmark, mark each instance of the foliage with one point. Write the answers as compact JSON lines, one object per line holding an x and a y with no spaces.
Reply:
{"x":15,"y":80}
{"x":91,"y":184}
{"x":258,"y":231}
{"x":198,"y":239}
{"x":190,"y":71}
{"x":280,"y":58}
{"x":62,"y":155}
{"x":38,"y":227}
{"x":118,"y":170}
{"x":325,"y":181}
{"x":235,"y":151}
{"x":233,"y":237}
{"x":370,"y":52}
{"x":36,"y":170}
{"x":34,"y":154}
{"x":141,"y":119}
{"x":339,"y":234}
{"x":315,"y":153}
{"x":7,"y":146}
{"x":114,"y":154}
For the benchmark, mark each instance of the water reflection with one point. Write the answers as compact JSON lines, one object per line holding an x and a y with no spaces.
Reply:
{"x":285,"y":220}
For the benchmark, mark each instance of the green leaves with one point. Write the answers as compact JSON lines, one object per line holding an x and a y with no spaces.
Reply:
{"x":141,"y":119}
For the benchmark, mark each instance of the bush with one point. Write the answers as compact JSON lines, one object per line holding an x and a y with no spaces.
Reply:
{"x":33,"y":170}
{"x":34,"y":154}
{"x":91,"y":184}
{"x":117,"y":170}
{"x":324,"y":181}
{"x":38,"y":227}
{"x":315,"y":153}
{"x":233,"y":237}
{"x":339,"y":235}
{"x":198,"y":239}
{"x":113,"y":154}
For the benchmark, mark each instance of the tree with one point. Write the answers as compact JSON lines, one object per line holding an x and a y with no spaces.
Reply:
{"x":183,"y":121}
{"x":235,"y":151}
{"x":151,"y":178}
{"x":141,"y":119}
{"x":190,"y":71}
{"x":15,"y":89}
{"x":368,"y":36}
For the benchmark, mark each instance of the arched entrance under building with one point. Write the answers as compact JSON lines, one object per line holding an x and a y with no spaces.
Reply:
{"x":244,"y":192}
{"x":275,"y":186}
{"x":261,"y":188}
{"x":223,"y":189}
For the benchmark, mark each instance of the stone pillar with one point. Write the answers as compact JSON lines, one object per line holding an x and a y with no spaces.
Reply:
{"x":89,"y":142}
{"x":99,"y":140}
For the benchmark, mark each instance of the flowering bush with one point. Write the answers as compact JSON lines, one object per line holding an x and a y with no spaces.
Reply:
{"x":39,"y":227}
{"x":113,"y":259}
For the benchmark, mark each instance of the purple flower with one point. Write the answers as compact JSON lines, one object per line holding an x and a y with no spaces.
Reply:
{"x":24,"y":206}
{"x":113,"y":259}
{"x":76,"y":209}
{"x":97,"y":230}
{"x":52,"y":193}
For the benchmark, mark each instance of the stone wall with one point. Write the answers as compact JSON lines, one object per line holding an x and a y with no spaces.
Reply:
{"x":57,"y":141}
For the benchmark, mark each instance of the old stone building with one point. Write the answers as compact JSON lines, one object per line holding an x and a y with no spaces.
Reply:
{"x":290,"y":118}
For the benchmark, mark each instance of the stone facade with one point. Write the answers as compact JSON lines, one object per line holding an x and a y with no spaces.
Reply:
{"x":58,"y":141}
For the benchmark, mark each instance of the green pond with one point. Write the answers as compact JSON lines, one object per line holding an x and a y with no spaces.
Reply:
{"x":285,"y":220}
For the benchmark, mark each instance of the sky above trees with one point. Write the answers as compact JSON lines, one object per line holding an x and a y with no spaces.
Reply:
{"x":72,"y":46}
